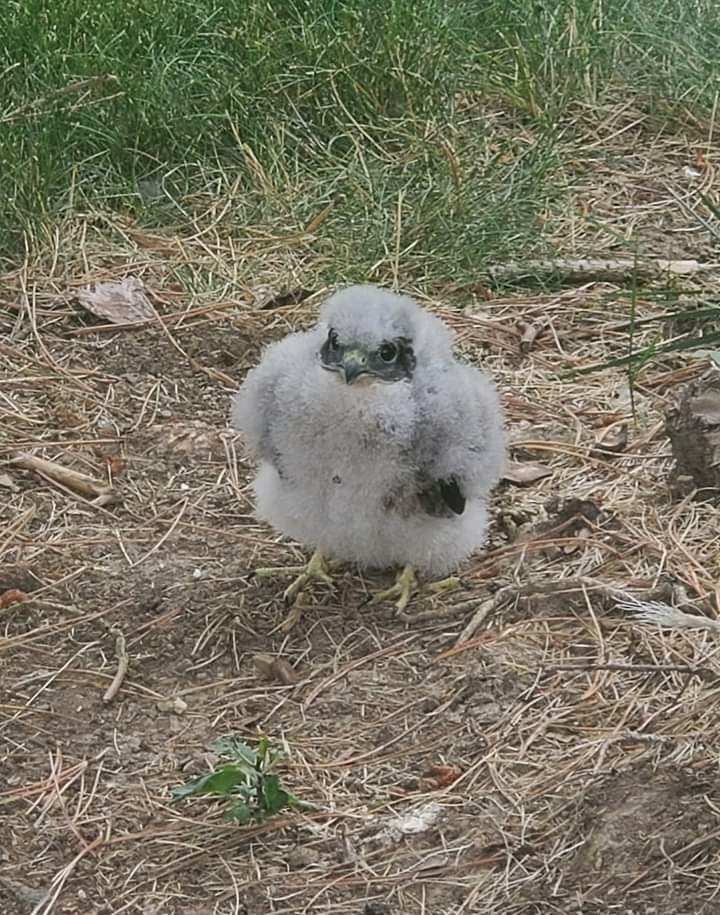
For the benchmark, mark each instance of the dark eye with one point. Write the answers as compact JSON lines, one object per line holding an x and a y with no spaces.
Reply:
{"x":332,"y":339}
{"x":388,"y":352}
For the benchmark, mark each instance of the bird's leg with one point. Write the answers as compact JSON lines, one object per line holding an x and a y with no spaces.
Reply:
{"x":317,"y":569}
{"x":405,"y":586}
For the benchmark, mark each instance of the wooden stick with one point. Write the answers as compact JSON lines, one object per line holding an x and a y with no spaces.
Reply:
{"x":73,"y":480}
{"x":596,"y":268}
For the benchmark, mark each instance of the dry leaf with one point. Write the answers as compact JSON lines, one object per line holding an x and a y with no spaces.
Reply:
{"x":187,"y":441}
{"x":573,"y":547}
{"x":266,"y":297}
{"x":526,"y":472}
{"x":12,"y":596}
{"x":275,"y":669}
{"x":414,"y":822}
{"x":612,"y":440}
{"x":116,"y":464}
{"x":120,"y":303}
{"x":440,"y":776}
{"x":529,"y":333}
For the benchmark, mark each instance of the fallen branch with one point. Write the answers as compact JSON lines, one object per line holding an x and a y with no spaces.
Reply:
{"x":596,"y":268}
{"x":80,"y":483}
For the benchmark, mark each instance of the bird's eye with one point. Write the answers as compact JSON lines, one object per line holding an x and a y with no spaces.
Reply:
{"x":388,"y":352}
{"x":332,"y":339}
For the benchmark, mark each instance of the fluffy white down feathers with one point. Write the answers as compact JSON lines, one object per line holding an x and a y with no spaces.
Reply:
{"x":342,"y":466}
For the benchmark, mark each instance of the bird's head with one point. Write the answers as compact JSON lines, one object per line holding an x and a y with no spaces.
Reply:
{"x":372,"y":335}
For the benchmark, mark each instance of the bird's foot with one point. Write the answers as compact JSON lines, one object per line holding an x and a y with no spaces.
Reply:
{"x":443,"y":584}
{"x":405,"y":586}
{"x":317,"y":569}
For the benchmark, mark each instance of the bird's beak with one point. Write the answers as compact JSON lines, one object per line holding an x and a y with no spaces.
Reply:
{"x":354,"y":364}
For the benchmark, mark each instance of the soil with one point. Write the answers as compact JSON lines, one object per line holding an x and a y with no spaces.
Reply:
{"x":581,"y":788}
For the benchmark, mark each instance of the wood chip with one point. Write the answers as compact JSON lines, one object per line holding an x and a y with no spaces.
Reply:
{"x":120,"y":303}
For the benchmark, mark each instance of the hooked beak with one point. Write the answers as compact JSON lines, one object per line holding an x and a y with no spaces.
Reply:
{"x":354,"y":364}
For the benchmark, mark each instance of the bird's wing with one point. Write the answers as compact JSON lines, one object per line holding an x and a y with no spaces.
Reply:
{"x":459,"y":446}
{"x":258,"y":405}
{"x":440,"y":497}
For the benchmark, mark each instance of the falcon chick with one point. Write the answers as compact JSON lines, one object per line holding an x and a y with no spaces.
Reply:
{"x":375,"y":446}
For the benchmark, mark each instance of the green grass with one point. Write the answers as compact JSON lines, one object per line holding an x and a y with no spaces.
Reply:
{"x":439,"y":125}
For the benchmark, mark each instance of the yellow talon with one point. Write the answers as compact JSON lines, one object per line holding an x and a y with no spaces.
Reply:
{"x":317,"y":569}
{"x":405,"y":586}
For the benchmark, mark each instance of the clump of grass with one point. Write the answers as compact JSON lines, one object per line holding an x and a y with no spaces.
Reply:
{"x":96,"y":109}
{"x":247,"y":781}
{"x":439,"y":125}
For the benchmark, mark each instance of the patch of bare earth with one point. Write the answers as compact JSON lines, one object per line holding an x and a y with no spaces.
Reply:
{"x":586,"y":743}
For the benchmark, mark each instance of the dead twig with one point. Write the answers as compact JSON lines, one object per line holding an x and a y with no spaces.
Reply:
{"x":504,"y":595}
{"x":630,"y":668}
{"x":123,"y":661}
{"x":80,"y":483}
{"x":605,"y":270}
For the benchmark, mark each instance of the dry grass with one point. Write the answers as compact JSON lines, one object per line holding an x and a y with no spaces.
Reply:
{"x":587,"y":742}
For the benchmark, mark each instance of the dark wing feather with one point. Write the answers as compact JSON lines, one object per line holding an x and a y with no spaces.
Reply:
{"x":442,"y":498}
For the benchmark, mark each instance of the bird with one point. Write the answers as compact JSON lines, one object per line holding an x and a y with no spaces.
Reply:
{"x":375,"y":445}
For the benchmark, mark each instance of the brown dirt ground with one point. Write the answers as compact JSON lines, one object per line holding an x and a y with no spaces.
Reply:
{"x":587,"y":742}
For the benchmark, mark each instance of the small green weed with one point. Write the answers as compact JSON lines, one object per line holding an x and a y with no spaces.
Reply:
{"x":247,"y":780}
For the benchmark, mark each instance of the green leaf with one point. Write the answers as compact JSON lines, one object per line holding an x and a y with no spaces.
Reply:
{"x":274,"y":796}
{"x":253,"y":791}
{"x":221,"y":781}
{"x":240,"y":812}
{"x":263,"y":752}
{"x":231,"y":745}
